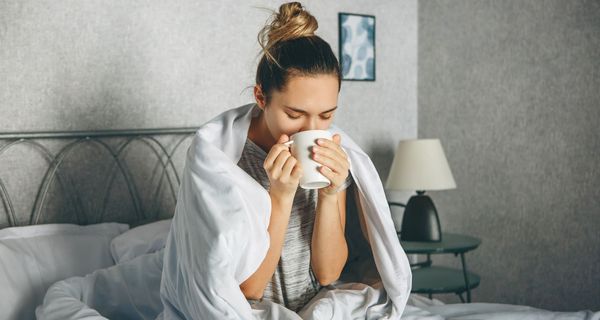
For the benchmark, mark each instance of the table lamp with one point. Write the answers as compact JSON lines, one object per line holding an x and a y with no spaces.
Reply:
{"x":420,"y":165}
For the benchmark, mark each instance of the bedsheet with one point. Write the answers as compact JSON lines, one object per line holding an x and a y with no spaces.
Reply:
{"x":131,"y":291}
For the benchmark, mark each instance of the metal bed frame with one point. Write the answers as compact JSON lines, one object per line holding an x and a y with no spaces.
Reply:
{"x":97,"y":139}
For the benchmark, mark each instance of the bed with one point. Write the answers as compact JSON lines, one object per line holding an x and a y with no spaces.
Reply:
{"x":65,"y":196}
{"x":84,"y":208}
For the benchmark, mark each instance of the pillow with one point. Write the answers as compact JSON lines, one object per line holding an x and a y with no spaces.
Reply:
{"x":140,"y":240}
{"x":34,"y":257}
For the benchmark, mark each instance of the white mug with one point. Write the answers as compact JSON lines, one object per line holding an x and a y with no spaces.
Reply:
{"x":302,"y":145}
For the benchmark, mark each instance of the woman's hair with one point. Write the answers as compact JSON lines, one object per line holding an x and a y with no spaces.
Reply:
{"x":290,"y":48}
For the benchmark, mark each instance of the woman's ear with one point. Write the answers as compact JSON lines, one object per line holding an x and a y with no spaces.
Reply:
{"x":261,"y":99}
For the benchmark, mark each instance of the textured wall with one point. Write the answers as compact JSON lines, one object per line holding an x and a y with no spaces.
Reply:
{"x":512,"y":89}
{"x":85,"y":65}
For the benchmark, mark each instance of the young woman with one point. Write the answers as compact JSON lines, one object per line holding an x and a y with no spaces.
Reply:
{"x":245,"y":241}
{"x":297,"y":87}
{"x":242,"y":229}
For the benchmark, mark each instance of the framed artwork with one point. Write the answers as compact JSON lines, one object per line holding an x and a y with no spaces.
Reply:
{"x":357,"y":46}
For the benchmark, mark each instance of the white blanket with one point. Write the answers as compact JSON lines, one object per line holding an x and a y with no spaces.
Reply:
{"x":218,"y":238}
{"x":219,"y":235}
{"x":131,"y":291}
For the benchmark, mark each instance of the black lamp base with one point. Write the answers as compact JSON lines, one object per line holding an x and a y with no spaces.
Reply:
{"x":420,"y":221}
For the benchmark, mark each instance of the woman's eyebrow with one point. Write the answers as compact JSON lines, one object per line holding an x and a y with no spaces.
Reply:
{"x":304,"y":112}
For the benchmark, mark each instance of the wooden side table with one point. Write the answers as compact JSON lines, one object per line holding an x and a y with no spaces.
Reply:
{"x":439,"y":279}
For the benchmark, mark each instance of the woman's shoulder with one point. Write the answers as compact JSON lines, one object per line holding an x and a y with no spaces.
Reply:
{"x":227,"y":117}
{"x":226,"y":131}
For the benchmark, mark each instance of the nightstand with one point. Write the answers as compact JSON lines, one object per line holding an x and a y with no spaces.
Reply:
{"x":439,"y":279}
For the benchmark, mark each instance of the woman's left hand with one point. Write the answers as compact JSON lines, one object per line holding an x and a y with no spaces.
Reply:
{"x":334,"y":163}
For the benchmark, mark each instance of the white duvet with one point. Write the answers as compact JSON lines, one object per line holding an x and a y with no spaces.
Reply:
{"x":218,"y":238}
{"x":219,"y":235}
{"x":131,"y":291}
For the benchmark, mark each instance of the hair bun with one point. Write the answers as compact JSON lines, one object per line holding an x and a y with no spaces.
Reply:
{"x":291,"y":22}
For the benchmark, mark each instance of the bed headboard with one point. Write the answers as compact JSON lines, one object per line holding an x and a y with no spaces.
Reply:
{"x":128,"y":176}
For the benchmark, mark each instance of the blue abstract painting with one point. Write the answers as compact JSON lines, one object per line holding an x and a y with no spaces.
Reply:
{"x":357,"y":46}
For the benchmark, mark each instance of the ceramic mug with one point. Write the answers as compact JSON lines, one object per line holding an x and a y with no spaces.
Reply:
{"x":302,"y":144}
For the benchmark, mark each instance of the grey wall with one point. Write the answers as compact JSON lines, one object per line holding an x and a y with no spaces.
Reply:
{"x":86,"y":65}
{"x":512,"y":90}
{"x":98,"y":65}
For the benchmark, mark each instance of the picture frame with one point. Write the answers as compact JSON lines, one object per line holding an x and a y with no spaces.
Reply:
{"x":357,"y":46}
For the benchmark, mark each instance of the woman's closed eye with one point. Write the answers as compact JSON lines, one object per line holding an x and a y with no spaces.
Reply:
{"x":298,"y":116}
{"x":293,"y":116}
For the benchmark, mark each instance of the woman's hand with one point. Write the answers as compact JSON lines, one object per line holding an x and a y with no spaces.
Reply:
{"x":283,"y":169}
{"x":334,"y":163}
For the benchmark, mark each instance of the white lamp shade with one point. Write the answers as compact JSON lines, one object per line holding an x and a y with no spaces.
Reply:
{"x":420,"y":164}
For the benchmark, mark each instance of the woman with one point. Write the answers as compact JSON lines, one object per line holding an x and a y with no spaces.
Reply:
{"x":297,"y":86}
{"x":245,"y":241}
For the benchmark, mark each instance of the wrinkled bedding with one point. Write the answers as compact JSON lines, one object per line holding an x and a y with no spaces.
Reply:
{"x":131,"y":291}
{"x":218,"y":238}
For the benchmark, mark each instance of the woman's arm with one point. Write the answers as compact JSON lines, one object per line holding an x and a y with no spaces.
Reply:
{"x":254,"y":286}
{"x":284,"y":173}
{"x":329,"y":249}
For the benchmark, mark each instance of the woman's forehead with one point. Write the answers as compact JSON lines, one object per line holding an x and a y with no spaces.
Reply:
{"x":310,"y":93}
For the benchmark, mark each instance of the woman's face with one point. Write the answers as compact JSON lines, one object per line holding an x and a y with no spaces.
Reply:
{"x":305,"y":103}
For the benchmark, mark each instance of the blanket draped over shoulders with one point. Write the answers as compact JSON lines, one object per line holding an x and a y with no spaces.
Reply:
{"x":219,"y":236}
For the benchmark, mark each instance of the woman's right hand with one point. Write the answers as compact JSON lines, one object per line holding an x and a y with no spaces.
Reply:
{"x":283,"y":169}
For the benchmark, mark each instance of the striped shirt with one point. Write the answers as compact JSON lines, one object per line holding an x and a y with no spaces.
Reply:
{"x":293,"y":284}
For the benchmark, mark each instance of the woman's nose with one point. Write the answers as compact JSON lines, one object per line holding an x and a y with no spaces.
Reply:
{"x":310,"y":124}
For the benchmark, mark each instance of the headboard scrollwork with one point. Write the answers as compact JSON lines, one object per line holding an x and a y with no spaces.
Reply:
{"x":129,"y":176}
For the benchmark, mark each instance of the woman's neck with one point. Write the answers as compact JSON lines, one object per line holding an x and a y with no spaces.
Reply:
{"x":259,"y":133}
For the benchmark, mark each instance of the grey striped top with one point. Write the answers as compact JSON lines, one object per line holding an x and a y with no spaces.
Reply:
{"x":293,"y":284}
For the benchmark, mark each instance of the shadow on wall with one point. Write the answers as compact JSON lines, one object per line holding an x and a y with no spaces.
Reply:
{"x":382,"y":156}
{"x":111,"y":94}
